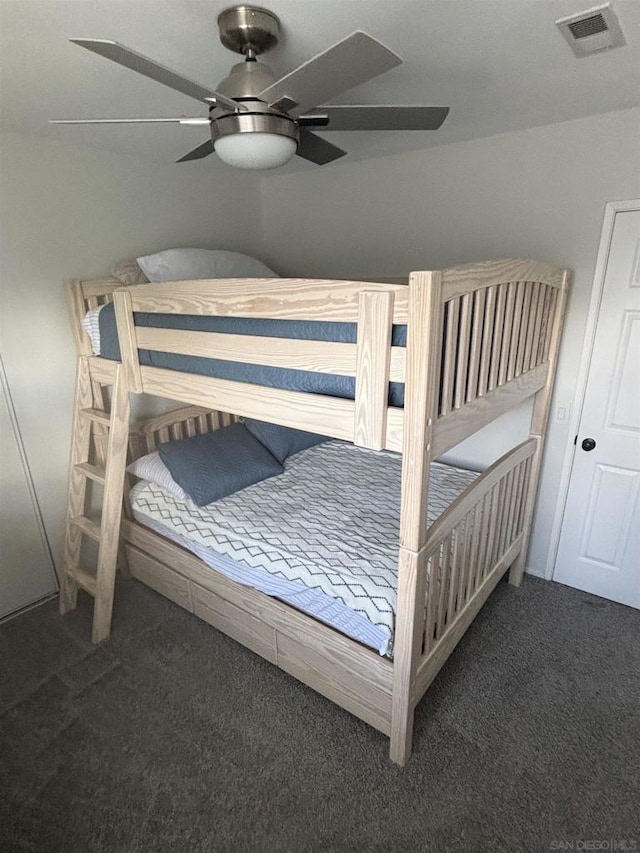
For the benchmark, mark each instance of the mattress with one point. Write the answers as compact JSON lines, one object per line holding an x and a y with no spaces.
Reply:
{"x":322,"y":536}
{"x":100,"y":324}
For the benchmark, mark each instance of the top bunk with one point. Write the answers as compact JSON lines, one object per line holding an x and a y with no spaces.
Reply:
{"x":464,"y":345}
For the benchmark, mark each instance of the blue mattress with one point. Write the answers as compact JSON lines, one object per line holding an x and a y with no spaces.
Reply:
{"x":274,"y":377}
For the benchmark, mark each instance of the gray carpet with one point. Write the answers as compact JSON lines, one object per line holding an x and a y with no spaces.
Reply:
{"x":171,"y":737}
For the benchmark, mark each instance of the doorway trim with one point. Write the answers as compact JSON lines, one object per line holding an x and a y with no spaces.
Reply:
{"x":611,"y":209}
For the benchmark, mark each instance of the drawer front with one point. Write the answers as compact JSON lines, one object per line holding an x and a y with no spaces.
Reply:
{"x":349,"y":689}
{"x":159,"y":577}
{"x":235,"y":622}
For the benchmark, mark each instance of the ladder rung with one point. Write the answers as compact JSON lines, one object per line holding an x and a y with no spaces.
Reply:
{"x":96,"y":415}
{"x":94,"y":472}
{"x":91,"y":528}
{"x":84,"y":579}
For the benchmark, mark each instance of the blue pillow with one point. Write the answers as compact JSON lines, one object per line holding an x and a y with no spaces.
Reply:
{"x":217,"y":464}
{"x":281,"y":441}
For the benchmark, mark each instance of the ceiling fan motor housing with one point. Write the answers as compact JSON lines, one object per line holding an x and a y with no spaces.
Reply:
{"x":246,"y":80}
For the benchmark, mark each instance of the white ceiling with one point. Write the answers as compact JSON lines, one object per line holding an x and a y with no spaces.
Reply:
{"x":500,"y":65}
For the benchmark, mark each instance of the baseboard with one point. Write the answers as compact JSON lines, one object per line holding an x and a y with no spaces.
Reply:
{"x":536,"y":573}
{"x":14,"y":614}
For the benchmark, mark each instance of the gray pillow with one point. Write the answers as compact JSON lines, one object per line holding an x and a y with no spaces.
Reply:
{"x":211,"y":466}
{"x":281,"y":441}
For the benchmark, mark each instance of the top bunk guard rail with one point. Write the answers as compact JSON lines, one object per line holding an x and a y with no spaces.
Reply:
{"x":495,"y":324}
{"x":367,"y":420}
{"x":281,"y":298}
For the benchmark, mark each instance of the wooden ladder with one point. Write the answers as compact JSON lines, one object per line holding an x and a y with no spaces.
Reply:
{"x":98,"y":453}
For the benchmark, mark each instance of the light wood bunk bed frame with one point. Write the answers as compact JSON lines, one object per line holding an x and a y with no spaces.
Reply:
{"x":481,"y":338}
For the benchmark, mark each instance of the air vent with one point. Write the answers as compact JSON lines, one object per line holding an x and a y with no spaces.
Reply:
{"x":592,"y":30}
{"x":588,"y":26}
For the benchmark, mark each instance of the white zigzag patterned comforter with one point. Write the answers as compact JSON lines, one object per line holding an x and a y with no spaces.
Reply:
{"x":329,"y":523}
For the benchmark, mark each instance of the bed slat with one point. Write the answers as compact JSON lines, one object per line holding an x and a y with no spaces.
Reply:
{"x":479,"y":300}
{"x":487,"y":339}
{"x":514,"y":332}
{"x":524,"y":328}
{"x":449,"y":356}
{"x":496,"y":349}
{"x":462,"y":361}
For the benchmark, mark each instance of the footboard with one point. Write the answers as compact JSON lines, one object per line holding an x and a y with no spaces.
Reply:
{"x":468,"y":550}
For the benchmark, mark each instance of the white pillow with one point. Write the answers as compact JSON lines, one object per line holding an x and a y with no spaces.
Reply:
{"x":193,"y":264}
{"x":152,"y":468}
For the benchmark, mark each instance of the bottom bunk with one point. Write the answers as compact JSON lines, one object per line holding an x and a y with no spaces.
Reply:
{"x":323,"y":535}
{"x":350,"y":497}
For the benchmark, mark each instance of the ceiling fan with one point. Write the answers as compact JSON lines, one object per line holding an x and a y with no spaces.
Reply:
{"x":258,"y":122}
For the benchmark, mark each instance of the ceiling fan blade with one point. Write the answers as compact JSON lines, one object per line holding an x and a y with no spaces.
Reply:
{"x":380,"y":118}
{"x":350,"y":62}
{"x":149,"y":68}
{"x":316,"y":149}
{"x":200,"y":120}
{"x":198,"y":153}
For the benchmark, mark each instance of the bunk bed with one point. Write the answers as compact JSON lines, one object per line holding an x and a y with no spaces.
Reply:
{"x":480,"y":339}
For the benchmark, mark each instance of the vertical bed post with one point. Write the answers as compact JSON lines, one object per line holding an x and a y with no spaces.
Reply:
{"x":539,"y":418}
{"x":127,"y":340}
{"x":420,"y":401}
{"x":375,"y":320}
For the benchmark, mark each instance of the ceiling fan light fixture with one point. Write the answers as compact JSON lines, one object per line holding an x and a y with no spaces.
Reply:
{"x":255,"y":140}
{"x":255,"y":150}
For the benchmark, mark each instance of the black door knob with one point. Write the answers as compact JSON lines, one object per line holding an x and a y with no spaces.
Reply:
{"x":588,"y":444}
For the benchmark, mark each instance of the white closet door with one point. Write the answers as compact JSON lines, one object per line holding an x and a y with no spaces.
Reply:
{"x":26,"y":569}
{"x":600,"y":541}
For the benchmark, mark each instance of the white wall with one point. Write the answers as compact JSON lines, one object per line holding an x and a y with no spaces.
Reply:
{"x":537,"y":193}
{"x":69,"y":210}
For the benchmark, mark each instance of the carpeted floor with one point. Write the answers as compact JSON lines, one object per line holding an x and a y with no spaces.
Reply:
{"x":171,"y":737}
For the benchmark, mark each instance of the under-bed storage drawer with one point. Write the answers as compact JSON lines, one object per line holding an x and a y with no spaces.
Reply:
{"x":351,"y":690}
{"x":158,"y":577}
{"x":235,"y":622}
